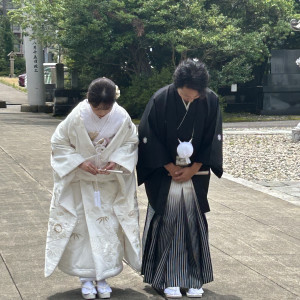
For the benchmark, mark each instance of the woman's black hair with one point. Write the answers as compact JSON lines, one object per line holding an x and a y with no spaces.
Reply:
{"x":191,"y":74}
{"x":102,"y":91}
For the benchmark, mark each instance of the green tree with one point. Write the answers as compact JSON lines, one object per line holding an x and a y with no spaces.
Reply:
{"x":6,"y":43}
{"x":293,"y":40}
{"x":133,"y":41}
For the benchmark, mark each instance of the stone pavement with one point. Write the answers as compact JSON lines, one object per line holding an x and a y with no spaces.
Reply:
{"x":12,"y":96}
{"x":254,"y":236}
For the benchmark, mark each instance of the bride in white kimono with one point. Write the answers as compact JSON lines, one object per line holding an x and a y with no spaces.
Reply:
{"x":93,"y":223}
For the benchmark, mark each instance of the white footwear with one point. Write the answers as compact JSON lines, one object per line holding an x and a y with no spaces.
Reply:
{"x":195,"y":293}
{"x":103,"y":289}
{"x":88,"y":290}
{"x":173,"y":292}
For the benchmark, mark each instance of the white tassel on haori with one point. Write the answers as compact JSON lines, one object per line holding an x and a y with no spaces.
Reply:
{"x":185,"y":150}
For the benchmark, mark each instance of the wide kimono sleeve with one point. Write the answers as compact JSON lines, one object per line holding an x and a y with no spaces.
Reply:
{"x":216,"y":153}
{"x":126,"y":154}
{"x":64,"y":158}
{"x":210,"y":152}
{"x":153,"y":153}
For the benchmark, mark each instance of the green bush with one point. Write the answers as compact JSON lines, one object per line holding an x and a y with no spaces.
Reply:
{"x":4,"y":67}
{"x":20,"y":66}
{"x":135,"y":97}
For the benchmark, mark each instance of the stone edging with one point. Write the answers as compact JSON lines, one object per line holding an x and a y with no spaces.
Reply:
{"x":263,"y":189}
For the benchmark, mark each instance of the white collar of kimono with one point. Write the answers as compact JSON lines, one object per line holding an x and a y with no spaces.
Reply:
{"x":186,"y":105}
{"x":102,"y":128}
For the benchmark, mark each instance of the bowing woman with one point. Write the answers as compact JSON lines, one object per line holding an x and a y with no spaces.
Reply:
{"x":180,"y":143}
{"x":93,"y":221}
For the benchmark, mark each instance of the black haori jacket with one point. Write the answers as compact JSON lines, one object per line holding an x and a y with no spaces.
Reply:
{"x":158,"y":136}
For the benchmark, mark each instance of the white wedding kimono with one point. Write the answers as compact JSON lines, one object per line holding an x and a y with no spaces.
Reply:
{"x":83,"y":239}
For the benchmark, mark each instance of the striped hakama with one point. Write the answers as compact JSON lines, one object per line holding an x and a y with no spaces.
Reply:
{"x":176,"y":249}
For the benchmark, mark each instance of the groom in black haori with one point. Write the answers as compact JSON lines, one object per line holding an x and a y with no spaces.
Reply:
{"x":180,"y":144}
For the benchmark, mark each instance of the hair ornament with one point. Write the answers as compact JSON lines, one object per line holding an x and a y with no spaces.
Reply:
{"x":118,"y":93}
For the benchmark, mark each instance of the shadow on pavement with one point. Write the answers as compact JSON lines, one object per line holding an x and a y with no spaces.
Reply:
{"x":209,"y":295}
{"x":117,"y":294}
{"x":73,"y":294}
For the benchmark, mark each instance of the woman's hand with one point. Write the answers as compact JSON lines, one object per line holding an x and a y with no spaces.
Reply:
{"x":187,"y":173}
{"x":89,"y":167}
{"x":109,"y":166}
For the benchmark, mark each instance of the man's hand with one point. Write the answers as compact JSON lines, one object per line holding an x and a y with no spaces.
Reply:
{"x":172,"y":169}
{"x":187,"y":173}
{"x":89,"y":167}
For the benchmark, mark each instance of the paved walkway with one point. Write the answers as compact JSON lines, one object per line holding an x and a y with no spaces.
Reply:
{"x":12,"y":96}
{"x":254,"y":236}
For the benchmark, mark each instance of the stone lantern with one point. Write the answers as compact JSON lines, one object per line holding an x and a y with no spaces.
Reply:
{"x":12,"y":63}
{"x":296,"y":133}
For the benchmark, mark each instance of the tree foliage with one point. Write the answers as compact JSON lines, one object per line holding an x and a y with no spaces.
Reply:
{"x":132,"y":41}
{"x":6,"y":43}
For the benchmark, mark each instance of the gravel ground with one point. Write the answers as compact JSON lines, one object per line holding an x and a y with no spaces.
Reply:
{"x":261,"y":154}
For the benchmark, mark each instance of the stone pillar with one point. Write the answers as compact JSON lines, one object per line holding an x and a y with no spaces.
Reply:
{"x":60,"y":76}
{"x":12,"y":63}
{"x":35,"y":73}
{"x":11,"y":56}
{"x":74,"y":79}
{"x":12,"y":66}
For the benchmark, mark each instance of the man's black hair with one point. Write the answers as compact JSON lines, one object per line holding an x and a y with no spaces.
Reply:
{"x":102,"y":91}
{"x":191,"y":74}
